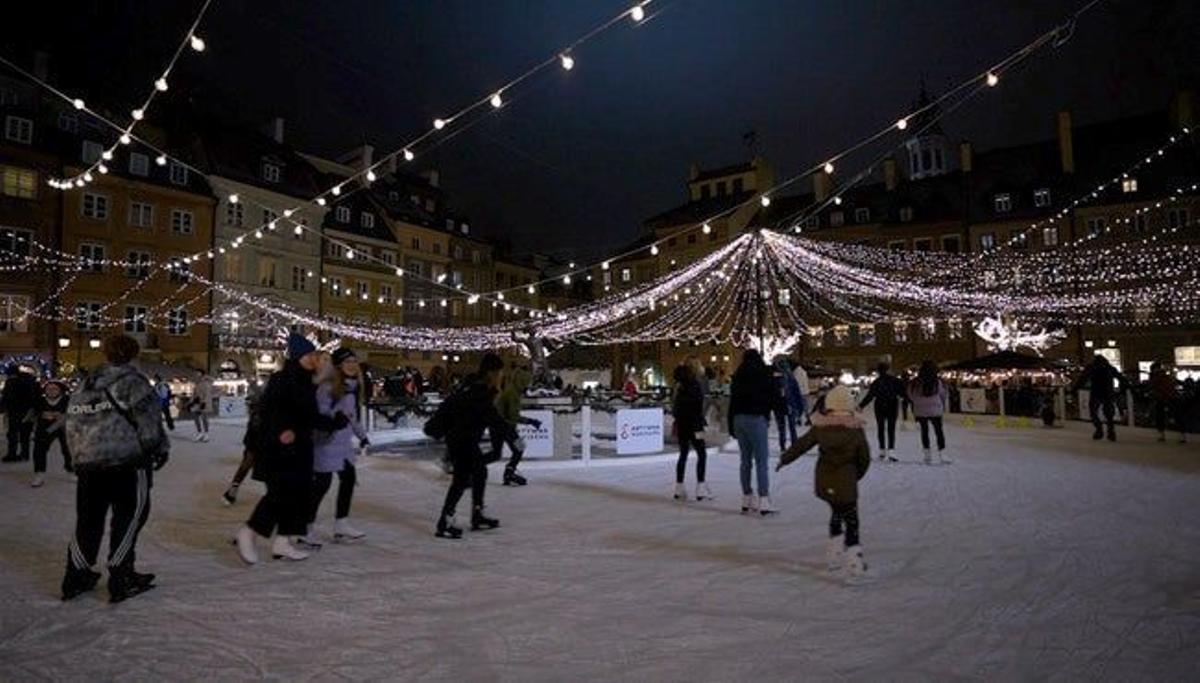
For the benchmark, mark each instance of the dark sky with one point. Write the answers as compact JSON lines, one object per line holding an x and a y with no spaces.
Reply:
{"x":576,"y":161}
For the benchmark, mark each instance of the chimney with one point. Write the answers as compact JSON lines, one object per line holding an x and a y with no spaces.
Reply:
{"x":821,"y":186}
{"x":277,"y":129}
{"x":889,"y":173}
{"x":966,"y":156}
{"x":432,"y":176}
{"x":1182,"y":112}
{"x":41,"y":65}
{"x":1066,"y":145}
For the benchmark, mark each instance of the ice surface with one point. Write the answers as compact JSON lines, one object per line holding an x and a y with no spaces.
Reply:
{"x":1037,"y":555}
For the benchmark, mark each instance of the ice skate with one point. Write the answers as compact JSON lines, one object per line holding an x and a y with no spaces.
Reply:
{"x":230,"y":495}
{"x":309,"y":541}
{"x":680,"y":492}
{"x":749,"y":503}
{"x":943,"y":459}
{"x":765,"y":507}
{"x":703,"y":492}
{"x":1162,"y":436}
{"x":928,"y":456}
{"x":37,"y":481}
{"x":245,"y":545}
{"x":447,"y":528}
{"x":343,"y":531}
{"x":124,"y":584}
{"x":1112,"y":434}
{"x":856,"y":566}
{"x":199,"y":437}
{"x":1098,"y":434}
{"x":76,"y":582}
{"x":282,"y":549}
{"x":511,"y":478}
{"x":481,"y":522}
{"x":835,"y":553}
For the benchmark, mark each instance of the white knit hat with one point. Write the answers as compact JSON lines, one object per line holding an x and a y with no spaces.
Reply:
{"x":840,"y":399}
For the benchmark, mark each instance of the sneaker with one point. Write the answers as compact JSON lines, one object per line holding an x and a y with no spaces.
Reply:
{"x":703,"y":492}
{"x":230,"y":495}
{"x":343,"y":531}
{"x":37,"y":481}
{"x":1098,"y":434}
{"x":245,"y":545}
{"x":511,"y":478}
{"x":765,"y":507}
{"x":126,"y":583}
{"x":76,"y":582}
{"x":199,"y":437}
{"x":680,"y":492}
{"x":282,"y":549}
{"x":1112,"y":434}
{"x":891,"y":455}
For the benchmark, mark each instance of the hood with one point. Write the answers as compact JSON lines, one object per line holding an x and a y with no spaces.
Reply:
{"x":108,"y":375}
{"x":836,"y":419}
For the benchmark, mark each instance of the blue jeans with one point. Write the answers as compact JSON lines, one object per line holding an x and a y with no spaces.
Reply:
{"x":751,"y":434}
{"x":786,"y":423}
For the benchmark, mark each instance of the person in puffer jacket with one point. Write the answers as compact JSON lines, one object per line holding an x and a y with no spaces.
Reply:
{"x":928,"y":395}
{"x":843,"y":459}
{"x":116,"y":438}
{"x":335,"y":451}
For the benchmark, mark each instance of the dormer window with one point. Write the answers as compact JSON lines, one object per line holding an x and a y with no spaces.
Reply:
{"x":464,"y":228}
{"x":18,"y":129}
{"x":1002,"y":202}
{"x":906,"y":214}
{"x":836,"y":219}
{"x":721,"y":188}
{"x":862,"y":215}
{"x":812,"y":222}
{"x":368,"y":220}
{"x":1129,"y":185}
{"x":738,"y":186}
{"x":1041,"y":197}
{"x":342,"y":214}
{"x":270,"y":172}
{"x":179,"y":173}
{"x":704,"y":191}
{"x":139,"y":164}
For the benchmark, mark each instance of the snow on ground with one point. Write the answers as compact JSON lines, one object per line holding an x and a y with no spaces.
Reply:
{"x":1038,"y":554}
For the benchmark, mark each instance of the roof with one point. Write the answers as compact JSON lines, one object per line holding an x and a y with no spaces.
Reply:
{"x":240,"y":154}
{"x":713,"y":173}
{"x":696,"y":211}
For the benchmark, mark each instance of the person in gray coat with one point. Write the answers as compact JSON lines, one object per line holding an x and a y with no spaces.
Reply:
{"x":335,"y":451}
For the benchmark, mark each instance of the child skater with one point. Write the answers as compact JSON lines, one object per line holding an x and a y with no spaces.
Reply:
{"x":843,"y":459}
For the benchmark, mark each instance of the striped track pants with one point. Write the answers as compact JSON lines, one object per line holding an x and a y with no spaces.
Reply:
{"x":126,"y":492}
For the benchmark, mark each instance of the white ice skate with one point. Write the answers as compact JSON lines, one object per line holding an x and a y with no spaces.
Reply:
{"x":765,"y":507}
{"x":928,"y":456}
{"x":37,"y":481}
{"x":749,"y":503}
{"x":245,"y":545}
{"x":308,"y":541}
{"x":703,"y":492}
{"x":282,"y":549}
{"x":680,"y":492}
{"x":835,"y":553}
{"x":343,"y":531}
{"x":889,"y":455}
{"x":942,"y":458}
{"x":856,"y":566}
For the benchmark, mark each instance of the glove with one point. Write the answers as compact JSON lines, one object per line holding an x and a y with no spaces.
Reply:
{"x":519,"y":444}
{"x":160,"y":460}
{"x":363,"y":443}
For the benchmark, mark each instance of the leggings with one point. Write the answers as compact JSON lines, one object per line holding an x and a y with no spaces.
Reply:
{"x":937,"y":430}
{"x":244,"y":468}
{"x":690,"y":440}
{"x":347,"y":478}
{"x":844,"y":514}
{"x":41,"y":447}
{"x":885,"y":424}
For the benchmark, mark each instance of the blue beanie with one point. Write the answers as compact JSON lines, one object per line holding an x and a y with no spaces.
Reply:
{"x":298,"y":345}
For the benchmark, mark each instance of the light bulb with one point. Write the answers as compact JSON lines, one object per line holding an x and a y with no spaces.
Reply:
{"x":370,"y":176}
{"x":320,"y":201}
{"x":337,"y":190}
{"x":654,"y":250}
{"x":87,"y":176}
{"x":408,"y":155}
{"x":637,"y":13}
{"x":78,"y":103}
{"x":706,"y":229}
{"x":532,"y":289}
{"x":765,"y":201}
{"x":829,"y":167}
{"x":399,"y":272}
{"x":210,"y":254}
{"x":287,"y":213}
{"x":106,"y":155}
{"x":837,"y":200}
{"x":350,"y":254}
{"x":138,"y":114}
{"x":258,"y":234}
{"x":197,"y":43}
{"x":566,"y":279}
{"x":233,"y":199}
{"x":604,"y":266}
{"x":568,"y":62}
{"x":161,"y":160}
{"x":439,"y":123}
{"x":125,"y":139}
{"x":497,"y":101}
{"x":992,"y":79}
{"x":161,"y":85}
{"x":902,"y":124}
{"x":297,"y":230}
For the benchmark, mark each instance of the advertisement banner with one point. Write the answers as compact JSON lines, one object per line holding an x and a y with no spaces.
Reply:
{"x":539,"y":443}
{"x":972,"y":400}
{"x":639,"y":430}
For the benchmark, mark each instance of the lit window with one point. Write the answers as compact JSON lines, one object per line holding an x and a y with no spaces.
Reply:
{"x":135,"y":319}
{"x":1041,"y":197}
{"x":626,"y":275}
{"x":816,"y":337}
{"x":182,"y":222}
{"x":866,"y":334}
{"x":18,"y":129}
{"x":177,"y":321}
{"x":954,"y":328}
{"x":342,"y":214}
{"x":1129,"y":185}
{"x":270,"y":172}
{"x":900,"y":331}
{"x":987,"y":241}
{"x":139,"y":164}
{"x":95,"y":206}
{"x":179,"y":173}
{"x":841,"y":335}
{"x":18,"y":182}
{"x":368,"y":220}
{"x":1003,"y":203}
{"x":928,"y":329}
{"x":13,"y":309}
{"x":92,"y":256}
{"x":1050,"y":236}
{"x":862,"y":215}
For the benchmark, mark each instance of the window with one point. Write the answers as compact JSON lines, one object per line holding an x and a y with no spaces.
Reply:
{"x":68,"y":122}
{"x":1095,"y":226}
{"x":900,"y":331}
{"x":954,"y":328}
{"x":233,"y":267}
{"x":364,"y":290}
{"x":18,"y":182}
{"x":92,"y":256}
{"x":1141,"y":222}
{"x":906,"y":214}
{"x":336,"y":286}
{"x":235,"y":214}
{"x":270,"y":172}
{"x":417,"y":268}
{"x":139,"y":164}
{"x":866,"y":334}
{"x":1020,"y":240}
{"x":450,"y":224}
{"x":626,"y":275}
{"x":691,"y":238}
{"x":606,"y":277}
{"x":299,"y":233}
{"x":179,"y":173}
{"x":456,"y":278}
{"x":95,"y":206}
{"x":837,"y":218}
{"x":1129,"y":185}
{"x":862,"y":215}
{"x":738,"y":185}
{"x":385,"y":293}
{"x":721,"y":188}
{"x":812,"y":222}
{"x":12,"y":313}
{"x":368,"y":220}
{"x":816,"y":337}
{"x":1002,"y":202}
{"x":299,"y":279}
{"x":928,"y":329}
{"x":897,"y":245}
{"x":458,"y":252}
{"x":704,"y":191}
{"x":141,"y":215}
{"x":785,"y":297}
{"x":430,"y":205}
{"x":342,"y":214}
{"x":923,"y":244}
{"x":87,"y":315}
{"x":1041,"y":197}
{"x":1177,"y":218}
{"x":18,"y":129}
{"x":92,"y":152}
{"x":177,"y":321}
{"x":987,"y":241}
{"x":416,"y":244}
{"x":388,"y":257}
{"x":135,"y":319}
{"x":437,"y":248}
{"x":951,"y":244}
{"x":268,"y":218}
{"x":335,"y":250}
{"x":266,"y":272}
{"x":182,"y":222}
{"x":179,"y":271}
{"x":15,"y":241}
{"x":476,"y":257}
{"x":137,"y":265}
{"x":1050,"y":236}
{"x":841,"y":335}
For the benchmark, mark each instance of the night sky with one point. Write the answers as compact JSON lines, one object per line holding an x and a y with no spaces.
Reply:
{"x":576,"y":161}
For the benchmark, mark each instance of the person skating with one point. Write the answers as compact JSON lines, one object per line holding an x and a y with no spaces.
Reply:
{"x":284,"y":453}
{"x":472,"y":409}
{"x":783,"y":402}
{"x":18,"y":400}
{"x":202,"y":405}
{"x":50,"y":428}
{"x":338,"y":392}
{"x":1163,"y":390}
{"x":115,"y":434}
{"x":249,"y":444}
{"x":508,"y":402}
{"x":886,"y":391}
{"x":928,"y":395}
{"x":1104,"y":384}
{"x":750,"y":400}
{"x":688,"y":409}
{"x":163,"y":390}
{"x":843,"y":459}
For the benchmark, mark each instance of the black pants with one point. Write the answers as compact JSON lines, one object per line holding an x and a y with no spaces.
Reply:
{"x":1096,"y":404}
{"x":322,"y":481}
{"x":844,"y":514}
{"x":937,"y":430}
{"x":244,"y":468}
{"x":498,"y":450}
{"x":166,"y":413}
{"x":469,"y":472}
{"x":19,"y":435}
{"x":1162,"y":413}
{"x":127,"y":492}
{"x":786,"y":424}
{"x":885,"y":424}
{"x":689,"y":440}
{"x":285,"y":506}
{"x":41,"y":446}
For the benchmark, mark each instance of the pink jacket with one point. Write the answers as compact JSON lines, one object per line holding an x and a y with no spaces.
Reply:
{"x":927,"y":406}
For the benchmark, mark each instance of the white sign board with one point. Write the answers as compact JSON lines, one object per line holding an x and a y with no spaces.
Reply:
{"x":539,"y":442}
{"x":972,"y":400}
{"x":231,"y":406}
{"x":639,"y":430}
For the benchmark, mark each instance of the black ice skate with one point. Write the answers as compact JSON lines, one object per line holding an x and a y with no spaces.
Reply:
{"x":447,"y":529}
{"x":126,"y":583}
{"x":479,"y":522}
{"x":511,"y":478}
{"x":1098,"y":434}
{"x":76,"y":582}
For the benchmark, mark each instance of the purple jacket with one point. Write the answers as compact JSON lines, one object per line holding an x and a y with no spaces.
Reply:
{"x":927,"y":406}
{"x":332,"y":450}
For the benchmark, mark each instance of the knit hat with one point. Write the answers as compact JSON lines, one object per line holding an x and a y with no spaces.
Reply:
{"x":342,"y":354}
{"x":840,"y":399}
{"x":298,"y":346}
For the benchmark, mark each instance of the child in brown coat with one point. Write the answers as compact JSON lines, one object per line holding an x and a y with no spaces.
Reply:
{"x":843,"y":459}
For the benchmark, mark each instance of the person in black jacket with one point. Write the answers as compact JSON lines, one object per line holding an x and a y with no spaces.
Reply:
{"x":18,"y":400}
{"x":886,"y":391}
{"x":1104,"y":383}
{"x":473,"y":410}
{"x":751,"y":397}
{"x":688,"y":410}
{"x":51,"y":427}
{"x":284,"y":457}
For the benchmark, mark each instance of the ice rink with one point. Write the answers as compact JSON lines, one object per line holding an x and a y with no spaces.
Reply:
{"x":1037,"y":555}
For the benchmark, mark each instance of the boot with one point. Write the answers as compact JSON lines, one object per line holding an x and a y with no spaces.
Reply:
{"x":76,"y":582}
{"x":765,"y":507}
{"x":1112,"y":433}
{"x":680,"y":492}
{"x":37,"y":481}
{"x":835,"y":553}
{"x":703,"y":492}
{"x":749,"y":503}
{"x":230,"y":495}
{"x":126,"y":583}
{"x":282,"y":549}
{"x":856,"y":566}
{"x":244,"y":540}
{"x":511,"y":478}
{"x":481,"y":522}
{"x":342,"y":531}
{"x":447,"y":528}
{"x":943,"y":458}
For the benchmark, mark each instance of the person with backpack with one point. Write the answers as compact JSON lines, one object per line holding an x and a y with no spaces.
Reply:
{"x":51,"y":420}
{"x":335,"y":451}
{"x":284,"y":453}
{"x":783,"y":404}
{"x":18,"y":400}
{"x":163,"y":391}
{"x":886,"y":391}
{"x":928,"y":396}
{"x":115,"y":434}
{"x":461,"y":419}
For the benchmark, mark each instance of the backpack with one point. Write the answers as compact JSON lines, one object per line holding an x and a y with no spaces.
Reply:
{"x":101,"y":433}
{"x":445,"y":417}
